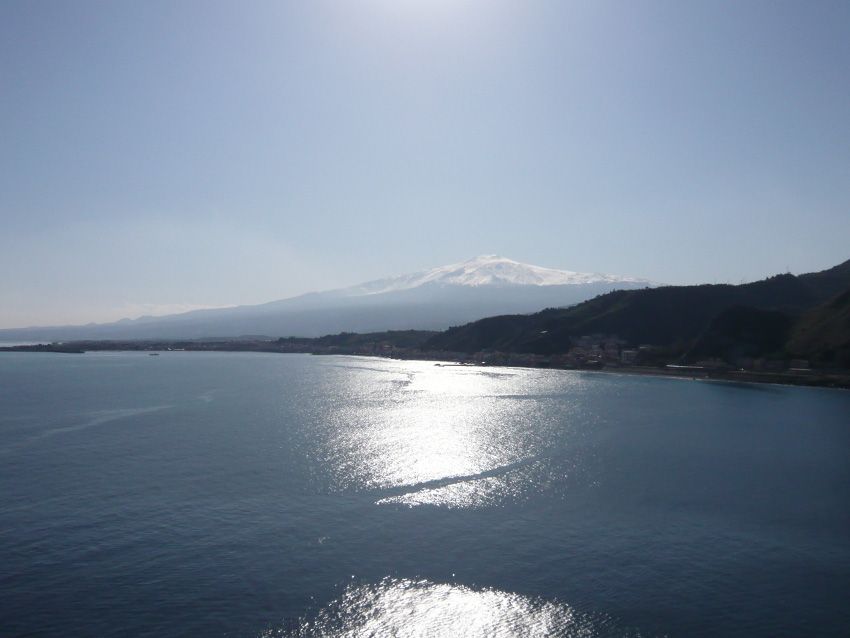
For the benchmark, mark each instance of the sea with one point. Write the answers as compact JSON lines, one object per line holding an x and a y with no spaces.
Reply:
{"x":265,"y":495}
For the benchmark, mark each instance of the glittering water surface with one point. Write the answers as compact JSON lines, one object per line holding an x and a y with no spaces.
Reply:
{"x":407,"y":608}
{"x":284,"y":495}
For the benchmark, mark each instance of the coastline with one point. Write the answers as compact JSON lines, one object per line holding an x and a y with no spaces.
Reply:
{"x":816,"y":378}
{"x":839,"y":379}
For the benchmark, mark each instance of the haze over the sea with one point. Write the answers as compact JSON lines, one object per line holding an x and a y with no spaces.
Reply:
{"x":163,"y":156}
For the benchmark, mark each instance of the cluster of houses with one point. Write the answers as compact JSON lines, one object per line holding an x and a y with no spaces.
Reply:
{"x":589,"y":351}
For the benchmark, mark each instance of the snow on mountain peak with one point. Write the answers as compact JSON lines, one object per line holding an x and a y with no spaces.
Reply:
{"x":487,"y":270}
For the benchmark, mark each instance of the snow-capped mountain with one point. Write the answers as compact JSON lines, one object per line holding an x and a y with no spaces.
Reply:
{"x":430,"y":300}
{"x":489,"y":270}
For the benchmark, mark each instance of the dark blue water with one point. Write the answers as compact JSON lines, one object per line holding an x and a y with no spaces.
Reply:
{"x":212,"y":494}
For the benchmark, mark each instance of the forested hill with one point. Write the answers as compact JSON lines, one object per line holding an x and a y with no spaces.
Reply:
{"x":823,"y":334}
{"x":678,"y":318}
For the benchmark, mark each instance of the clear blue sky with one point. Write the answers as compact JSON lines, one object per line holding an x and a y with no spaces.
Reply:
{"x":157,"y":156}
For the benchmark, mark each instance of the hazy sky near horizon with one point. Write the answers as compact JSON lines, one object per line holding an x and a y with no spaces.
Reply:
{"x":161,"y":156}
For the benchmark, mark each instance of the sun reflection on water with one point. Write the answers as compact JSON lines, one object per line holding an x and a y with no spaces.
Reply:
{"x":416,"y":424}
{"x":407,"y":608}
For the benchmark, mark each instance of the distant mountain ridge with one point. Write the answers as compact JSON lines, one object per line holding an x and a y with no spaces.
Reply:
{"x":429,"y":300}
{"x":784,"y":315}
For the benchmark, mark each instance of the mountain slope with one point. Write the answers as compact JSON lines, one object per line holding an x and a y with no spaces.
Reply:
{"x":429,"y":300}
{"x":743,"y":331}
{"x":490,"y":270}
{"x":673,"y":317}
{"x":823,"y":334}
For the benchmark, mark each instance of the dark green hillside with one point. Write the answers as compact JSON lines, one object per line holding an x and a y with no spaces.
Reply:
{"x":742,"y":331}
{"x":826,"y":284}
{"x":673,"y":317}
{"x":823,"y":334}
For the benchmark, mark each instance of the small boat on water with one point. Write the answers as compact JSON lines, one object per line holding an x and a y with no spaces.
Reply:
{"x":153,"y":354}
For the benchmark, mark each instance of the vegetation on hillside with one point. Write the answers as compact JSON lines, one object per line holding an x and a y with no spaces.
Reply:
{"x":783,"y":316}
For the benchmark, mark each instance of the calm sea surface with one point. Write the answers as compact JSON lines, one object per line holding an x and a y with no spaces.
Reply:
{"x":229,"y":494}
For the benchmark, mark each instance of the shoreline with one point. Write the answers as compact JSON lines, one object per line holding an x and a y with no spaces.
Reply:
{"x":815,"y":379}
{"x":838,"y":379}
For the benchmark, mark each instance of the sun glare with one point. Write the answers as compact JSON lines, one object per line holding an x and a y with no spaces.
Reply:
{"x":408,"y":608}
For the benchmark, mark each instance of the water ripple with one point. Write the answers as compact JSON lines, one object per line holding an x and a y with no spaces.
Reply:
{"x":406,"y":608}
{"x":97,"y":418}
